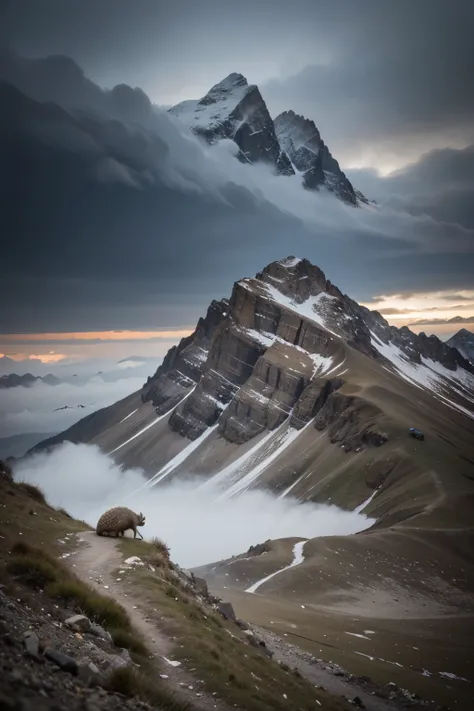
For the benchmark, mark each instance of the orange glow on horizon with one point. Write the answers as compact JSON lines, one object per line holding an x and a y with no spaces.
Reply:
{"x":94,"y":336}
{"x":404,"y":310}
{"x":43,"y":357}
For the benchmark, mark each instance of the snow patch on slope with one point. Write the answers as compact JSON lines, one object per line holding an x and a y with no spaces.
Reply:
{"x":213,"y":109}
{"x":154,"y":422}
{"x":298,"y":558}
{"x":430,"y":375}
{"x":313,"y":309}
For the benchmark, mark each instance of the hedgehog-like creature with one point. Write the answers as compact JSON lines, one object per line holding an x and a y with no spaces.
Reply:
{"x":118,"y":520}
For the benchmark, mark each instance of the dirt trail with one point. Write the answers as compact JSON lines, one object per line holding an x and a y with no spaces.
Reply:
{"x":96,"y":561}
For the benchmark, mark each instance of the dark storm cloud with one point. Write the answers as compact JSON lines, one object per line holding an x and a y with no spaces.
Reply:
{"x":400,"y":78}
{"x":116,"y":217}
{"x":440,"y":184}
{"x":379,"y":78}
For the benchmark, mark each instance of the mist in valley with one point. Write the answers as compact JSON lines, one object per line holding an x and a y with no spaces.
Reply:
{"x":198,"y":528}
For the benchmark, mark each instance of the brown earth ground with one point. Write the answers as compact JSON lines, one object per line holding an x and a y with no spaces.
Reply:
{"x":407,"y":596}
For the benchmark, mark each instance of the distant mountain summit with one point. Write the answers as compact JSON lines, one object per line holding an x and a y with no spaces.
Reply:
{"x":463,"y":340}
{"x":236,"y":110}
{"x":12,"y":380}
{"x":310,"y":156}
{"x":291,"y":144}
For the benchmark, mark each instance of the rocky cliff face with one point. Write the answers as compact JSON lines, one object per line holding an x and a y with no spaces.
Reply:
{"x":232,"y":109}
{"x":310,"y":156}
{"x":263,"y":358}
{"x":463,"y":341}
{"x":183,"y":365}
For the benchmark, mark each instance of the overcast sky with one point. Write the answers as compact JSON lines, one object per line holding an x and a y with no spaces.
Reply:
{"x":126,"y":231}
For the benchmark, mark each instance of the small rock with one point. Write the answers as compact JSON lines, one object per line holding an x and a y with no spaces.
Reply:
{"x":358,"y":702}
{"x":200,"y":586}
{"x":78,"y":623}
{"x":90,"y":674}
{"x":242,"y":624}
{"x":31,"y":643}
{"x":125,"y":654}
{"x":99,"y":632}
{"x":67,"y":664}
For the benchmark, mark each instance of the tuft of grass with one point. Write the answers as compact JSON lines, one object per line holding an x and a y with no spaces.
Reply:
{"x":87,"y":601}
{"x":161,"y":547}
{"x":129,"y":640}
{"x":33,"y":572}
{"x":33,"y":491}
{"x":36,"y":568}
{"x":133,"y":683}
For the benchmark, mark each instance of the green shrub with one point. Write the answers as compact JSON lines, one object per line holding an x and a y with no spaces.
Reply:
{"x":103,"y":610}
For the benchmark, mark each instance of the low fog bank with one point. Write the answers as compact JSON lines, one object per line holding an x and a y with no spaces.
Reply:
{"x":198,"y":530}
{"x":39,"y":407}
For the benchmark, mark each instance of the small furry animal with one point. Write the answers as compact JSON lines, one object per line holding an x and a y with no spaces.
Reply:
{"x":118,"y":520}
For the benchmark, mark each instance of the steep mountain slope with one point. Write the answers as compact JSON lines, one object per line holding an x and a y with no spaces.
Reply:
{"x":463,"y":340}
{"x":302,"y":142}
{"x":286,"y":380}
{"x":233,"y":109}
{"x":291,"y":144}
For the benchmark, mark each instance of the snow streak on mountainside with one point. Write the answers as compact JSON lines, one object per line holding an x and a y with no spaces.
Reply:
{"x":291,"y":144}
{"x":271,"y":378}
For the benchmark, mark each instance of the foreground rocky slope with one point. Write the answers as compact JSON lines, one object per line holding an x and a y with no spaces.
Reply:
{"x":152,"y":635}
{"x":290,"y":144}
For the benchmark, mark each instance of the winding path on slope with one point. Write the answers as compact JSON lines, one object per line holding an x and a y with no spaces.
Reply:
{"x":96,"y":561}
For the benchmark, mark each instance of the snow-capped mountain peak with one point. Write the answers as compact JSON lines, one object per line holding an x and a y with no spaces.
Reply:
{"x":236,"y":110}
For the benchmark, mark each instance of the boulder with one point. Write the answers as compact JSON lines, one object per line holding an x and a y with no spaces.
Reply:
{"x":227,"y":611}
{"x":200,"y":586}
{"x":78,"y":623}
{"x":90,"y":674}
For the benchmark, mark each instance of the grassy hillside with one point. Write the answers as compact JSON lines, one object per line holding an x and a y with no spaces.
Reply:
{"x":37,"y":547}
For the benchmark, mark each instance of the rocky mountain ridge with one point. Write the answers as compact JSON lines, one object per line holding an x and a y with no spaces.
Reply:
{"x":12,"y":380}
{"x":290,"y":144}
{"x":310,"y":156}
{"x":286,"y":357}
